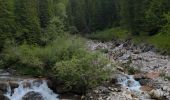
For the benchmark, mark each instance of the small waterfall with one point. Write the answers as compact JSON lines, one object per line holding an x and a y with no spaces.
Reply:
{"x":28,"y":86}
{"x":129,"y":82}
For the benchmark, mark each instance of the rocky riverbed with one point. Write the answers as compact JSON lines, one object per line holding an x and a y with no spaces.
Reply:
{"x":148,"y":67}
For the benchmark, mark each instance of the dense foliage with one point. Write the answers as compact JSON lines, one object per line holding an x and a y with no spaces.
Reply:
{"x":35,"y":41}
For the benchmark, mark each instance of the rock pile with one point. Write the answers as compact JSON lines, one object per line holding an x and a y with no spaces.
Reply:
{"x":153,"y":67}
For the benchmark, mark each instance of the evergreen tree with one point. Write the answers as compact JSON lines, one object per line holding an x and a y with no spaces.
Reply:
{"x":7,"y":22}
{"x":45,"y":8}
{"x":28,"y":20}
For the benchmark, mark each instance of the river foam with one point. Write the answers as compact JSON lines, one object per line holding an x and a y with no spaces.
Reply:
{"x":27,"y":86}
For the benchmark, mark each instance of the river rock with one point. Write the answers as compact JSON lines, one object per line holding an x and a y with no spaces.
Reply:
{"x":26,"y":84}
{"x":165,"y":88}
{"x":2,"y":97}
{"x":130,"y":83}
{"x":32,"y":96}
{"x":37,"y":82}
{"x":156,"y":94}
{"x":102,"y":89}
{"x":13,"y":85}
{"x":3,"y":87}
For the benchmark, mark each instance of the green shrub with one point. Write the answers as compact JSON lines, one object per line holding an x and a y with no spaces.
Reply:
{"x":132,"y":70}
{"x":161,"y":41}
{"x":85,"y":71}
{"x":36,"y":57}
{"x":110,"y":34}
{"x":167,"y":77}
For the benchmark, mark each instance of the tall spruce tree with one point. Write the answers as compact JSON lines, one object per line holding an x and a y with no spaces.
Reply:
{"x":27,"y":18}
{"x":45,"y":9}
{"x":7,"y":22}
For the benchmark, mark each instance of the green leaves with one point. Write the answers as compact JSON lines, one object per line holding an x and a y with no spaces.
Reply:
{"x":87,"y":71}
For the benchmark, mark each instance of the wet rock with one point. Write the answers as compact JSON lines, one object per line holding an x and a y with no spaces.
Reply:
{"x":151,"y":83}
{"x":37,"y":82}
{"x":49,"y":83}
{"x":2,"y":97}
{"x":156,"y":94}
{"x":32,"y":96}
{"x":145,"y":82}
{"x":13,"y":85}
{"x":130,"y":83}
{"x":115,"y":78}
{"x":3,"y":87}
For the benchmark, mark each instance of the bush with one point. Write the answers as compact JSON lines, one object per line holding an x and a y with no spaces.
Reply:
{"x":132,"y":70}
{"x":110,"y":34}
{"x":84,"y":71}
{"x":22,"y":58}
{"x":161,"y":41}
{"x":32,"y":56}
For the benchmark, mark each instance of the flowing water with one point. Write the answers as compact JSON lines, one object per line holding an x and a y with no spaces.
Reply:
{"x":129,"y":82}
{"x":28,"y":86}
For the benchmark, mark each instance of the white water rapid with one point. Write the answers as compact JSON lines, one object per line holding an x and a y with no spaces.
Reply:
{"x":129,"y":82}
{"x":28,"y":86}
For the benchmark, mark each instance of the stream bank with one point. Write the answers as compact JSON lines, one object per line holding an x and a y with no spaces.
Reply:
{"x":148,"y":67}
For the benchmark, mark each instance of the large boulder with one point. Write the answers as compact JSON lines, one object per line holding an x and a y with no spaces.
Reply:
{"x":32,"y":96}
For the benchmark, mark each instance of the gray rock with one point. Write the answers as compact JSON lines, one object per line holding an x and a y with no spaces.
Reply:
{"x":3,"y":87}
{"x":2,"y":97}
{"x":32,"y":96}
{"x":157,"y":94}
{"x":165,"y":88}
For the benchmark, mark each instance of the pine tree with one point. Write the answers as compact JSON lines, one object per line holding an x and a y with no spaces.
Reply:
{"x":7,"y":22}
{"x":28,"y":20}
{"x":45,"y":8}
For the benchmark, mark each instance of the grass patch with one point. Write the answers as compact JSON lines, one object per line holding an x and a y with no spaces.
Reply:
{"x":161,"y":41}
{"x":142,"y":38}
{"x":110,"y":34}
